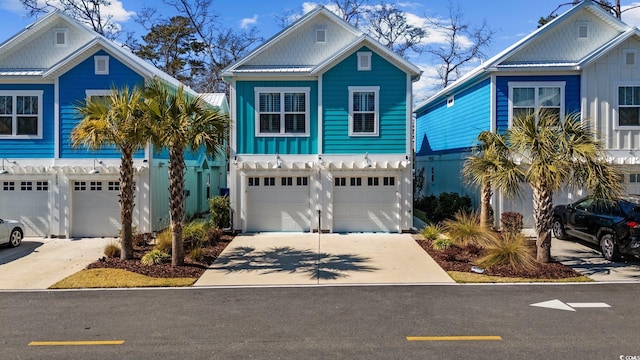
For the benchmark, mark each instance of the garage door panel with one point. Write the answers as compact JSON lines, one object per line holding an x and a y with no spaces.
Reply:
{"x":28,"y":202}
{"x":96,"y":209}
{"x":278,"y":207}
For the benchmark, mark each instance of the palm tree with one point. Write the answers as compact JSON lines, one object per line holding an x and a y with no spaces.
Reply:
{"x":180,"y":121}
{"x":490,"y":156}
{"x":551,"y":154}
{"x":116,"y":120}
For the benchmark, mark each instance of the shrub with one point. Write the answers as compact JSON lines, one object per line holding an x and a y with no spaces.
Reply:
{"x":465,"y":229}
{"x":220,"y":209}
{"x":214,"y":235}
{"x":197,"y":254}
{"x":442,"y":243}
{"x":431,"y":232}
{"x":511,"y":222}
{"x":164,"y":241}
{"x":112,"y":250}
{"x":154,"y":257}
{"x":194,"y":233}
{"x":511,"y":249}
{"x":442,"y":207}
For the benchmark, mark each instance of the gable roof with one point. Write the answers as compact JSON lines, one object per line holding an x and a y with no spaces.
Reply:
{"x":498,"y":62}
{"x":93,"y":43}
{"x":351,"y":39}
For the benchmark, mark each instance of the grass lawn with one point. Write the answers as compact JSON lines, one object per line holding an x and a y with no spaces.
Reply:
{"x":116,"y":278}
{"x":466,"y":277}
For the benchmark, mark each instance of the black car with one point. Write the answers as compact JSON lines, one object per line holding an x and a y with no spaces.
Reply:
{"x":612,"y":225}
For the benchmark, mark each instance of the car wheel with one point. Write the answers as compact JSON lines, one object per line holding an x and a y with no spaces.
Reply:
{"x":15,"y":238}
{"x":609,"y":247}
{"x":558,"y":230}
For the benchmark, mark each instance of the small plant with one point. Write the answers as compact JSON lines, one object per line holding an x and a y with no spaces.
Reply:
{"x":220,"y":211}
{"x":214,"y":235}
{"x":465,"y":229}
{"x":441,"y":243}
{"x":164,"y":241}
{"x":154,"y":257}
{"x":511,"y":222}
{"x":112,"y":250}
{"x":194,"y":233}
{"x":511,"y":250}
{"x":431,"y":232}
{"x":197,"y":254}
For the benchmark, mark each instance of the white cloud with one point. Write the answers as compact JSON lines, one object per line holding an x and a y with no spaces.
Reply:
{"x":115,"y":9}
{"x":632,"y":16}
{"x":246,"y":22}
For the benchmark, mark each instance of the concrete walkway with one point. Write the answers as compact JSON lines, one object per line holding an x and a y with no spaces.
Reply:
{"x":39,"y":263}
{"x":307,"y":259}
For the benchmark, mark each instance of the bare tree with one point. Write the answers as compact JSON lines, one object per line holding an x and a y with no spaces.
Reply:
{"x":462,"y":44}
{"x":90,"y":12}
{"x":350,"y":11}
{"x":388,"y":24}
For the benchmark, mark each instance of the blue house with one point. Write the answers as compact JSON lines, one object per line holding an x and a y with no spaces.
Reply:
{"x":321,"y":132}
{"x":46,"y":71}
{"x":584,"y":61}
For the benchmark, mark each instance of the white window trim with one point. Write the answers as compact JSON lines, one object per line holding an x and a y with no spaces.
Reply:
{"x":97,"y":60}
{"x":324,"y":37}
{"x":376,"y":119}
{"x":536,"y":84}
{"x":580,"y":25}
{"x":364,"y":54}
{"x":14,"y":126}
{"x":625,"y":52}
{"x":451,"y":101}
{"x":91,"y":93}
{"x":616,"y":113}
{"x":63,"y":31}
{"x":282,"y":91}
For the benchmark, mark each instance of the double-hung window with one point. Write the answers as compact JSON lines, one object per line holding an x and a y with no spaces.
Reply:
{"x":21,"y":114}
{"x":363,"y":110}
{"x":282,"y":111}
{"x":628,"y":106}
{"x":531,"y":98}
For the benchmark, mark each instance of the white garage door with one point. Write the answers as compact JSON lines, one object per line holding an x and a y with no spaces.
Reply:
{"x":28,"y":202}
{"x":365,"y":204}
{"x":96,"y":210}
{"x":278,"y":204}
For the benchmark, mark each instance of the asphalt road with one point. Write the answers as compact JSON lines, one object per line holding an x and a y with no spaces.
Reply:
{"x":324,"y":323}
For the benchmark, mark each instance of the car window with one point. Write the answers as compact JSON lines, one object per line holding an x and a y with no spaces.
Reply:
{"x":585,"y":204}
{"x":630,"y":208}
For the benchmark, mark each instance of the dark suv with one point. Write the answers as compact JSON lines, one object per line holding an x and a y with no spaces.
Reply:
{"x":612,"y":225}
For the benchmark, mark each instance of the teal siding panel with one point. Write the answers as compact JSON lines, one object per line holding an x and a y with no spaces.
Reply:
{"x":248,"y":143}
{"x":392,"y":81}
{"x":73,"y":85}
{"x":440,"y":128}
{"x":36,"y":148}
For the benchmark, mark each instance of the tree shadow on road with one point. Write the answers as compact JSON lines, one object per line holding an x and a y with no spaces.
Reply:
{"x":322,"y":265}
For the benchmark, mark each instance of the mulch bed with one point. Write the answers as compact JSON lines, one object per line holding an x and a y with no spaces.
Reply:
{"x":458,"y":258}
{"x":191,"y":268}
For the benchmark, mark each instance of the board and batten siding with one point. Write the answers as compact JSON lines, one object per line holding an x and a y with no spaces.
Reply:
{"x":32,"y":148}
{"x":73,"y":85}
{"x":248,"y":143}
{"x":441,"y":128}
{"x":392,"y":81}
{"x":571,"y":94}
{"x":601,"y":85}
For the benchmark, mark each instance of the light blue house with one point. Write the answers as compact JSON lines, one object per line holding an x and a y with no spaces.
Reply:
{"x":321,"y":132}
{"x":584,"y":61}
{"x":46,"y":71}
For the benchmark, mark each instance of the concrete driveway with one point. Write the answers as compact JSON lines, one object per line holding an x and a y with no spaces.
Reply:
{"x":39,"y":263}
{"x":309,"y":259}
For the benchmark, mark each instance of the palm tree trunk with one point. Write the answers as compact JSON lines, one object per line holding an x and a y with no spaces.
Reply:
{"x":542,"y":216}
{"x":126,"y":203}
{"x":176,"y":203}
{"x":485,"y":203}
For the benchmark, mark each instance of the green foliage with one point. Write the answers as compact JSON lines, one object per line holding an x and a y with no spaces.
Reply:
{"x":197,"y":254}
{"x":112,"y":250}
{"x":443,"y":206}
{"x":420,"y":215}
{"x":511,"y":250}
{"x":154,"y":257}
{"x":511,"y":222}
{"x":220,"y":208}
{"x":194,"y":233}
{"x":442,"y":243}
{"x":164,"y":241}
{"x":431,"y":232}
{"x":214,"y":235}
{"x":464,"y":229}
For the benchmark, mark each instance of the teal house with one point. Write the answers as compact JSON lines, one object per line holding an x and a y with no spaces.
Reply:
{"x":321,"y":132}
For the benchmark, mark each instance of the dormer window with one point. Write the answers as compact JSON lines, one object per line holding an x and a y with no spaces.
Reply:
{"x":321,"y":36}
{"x":629,"y":57}
{"x":60,"y":37}
{"x":364,"y":61}
{"x":583,"y":31}
{"x":101,"y":65}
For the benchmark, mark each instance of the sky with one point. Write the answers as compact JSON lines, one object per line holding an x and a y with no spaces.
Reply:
{"x":510,"y":19}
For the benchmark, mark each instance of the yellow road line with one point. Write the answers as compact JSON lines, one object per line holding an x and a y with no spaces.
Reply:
{"x":75,"y":343}
{"x":454,"y":338}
